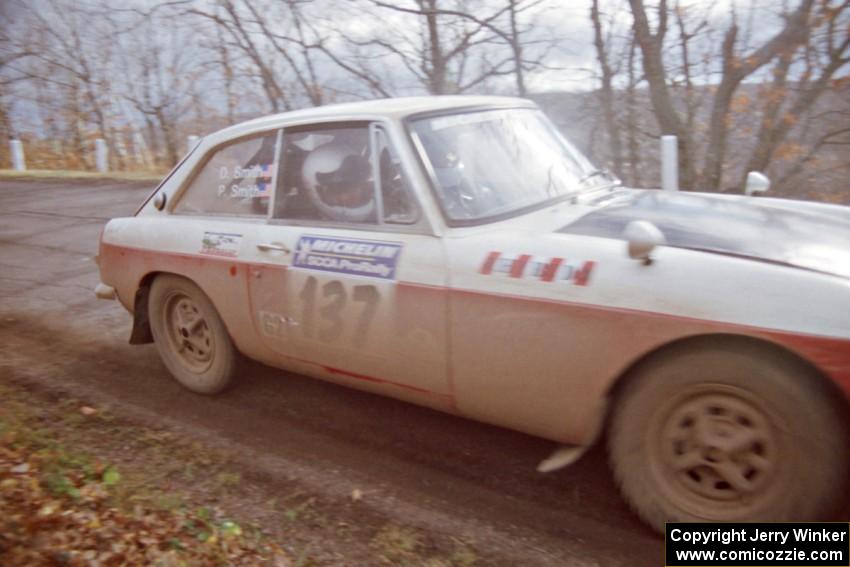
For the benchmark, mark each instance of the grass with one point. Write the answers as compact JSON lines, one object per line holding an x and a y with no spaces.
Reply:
{"x":78,"y":174}
{"x":75,"y":472}
{"x":402,"y":546}
{"x":59,"y":501}
{"x":397,"y":546}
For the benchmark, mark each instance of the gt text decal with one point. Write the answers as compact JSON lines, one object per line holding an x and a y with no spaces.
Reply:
{"x":323,"y":312}
{"x":220,"y":244}
{"x":370,"y":258}
{"x":544,"y":269}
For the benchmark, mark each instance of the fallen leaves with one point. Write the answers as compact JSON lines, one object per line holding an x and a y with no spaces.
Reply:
{"x":111,"y":476}
{"x":57,"y":508}
{"x":100,"y":490}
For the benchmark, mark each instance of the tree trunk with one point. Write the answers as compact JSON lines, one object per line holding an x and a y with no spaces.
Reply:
{"x":516,"y":48}
{"x":735,"y":69}
{"x":437,"y":76}
{"x":656,"y":75}
{"x":631,"y":122}
{"x":607,"y":92}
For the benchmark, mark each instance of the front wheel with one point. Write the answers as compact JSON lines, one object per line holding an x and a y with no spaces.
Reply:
{"x":190,"y":336}
{"x":729,"y":434}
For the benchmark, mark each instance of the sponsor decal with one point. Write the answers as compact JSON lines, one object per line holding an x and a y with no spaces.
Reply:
{"x":370,"y":258}
{"x":220,"y":244}
{"x":543,"y":269}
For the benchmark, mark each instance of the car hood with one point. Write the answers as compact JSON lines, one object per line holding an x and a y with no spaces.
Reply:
{"x":802,"y":234}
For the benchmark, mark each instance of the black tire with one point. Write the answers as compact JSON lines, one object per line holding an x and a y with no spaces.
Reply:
{"x":729,"y":434}
{"x":190,"y":336}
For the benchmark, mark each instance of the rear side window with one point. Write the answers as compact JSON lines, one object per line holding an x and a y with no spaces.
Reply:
{"x":238,"y":179}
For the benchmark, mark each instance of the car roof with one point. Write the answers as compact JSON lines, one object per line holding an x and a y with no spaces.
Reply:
{"x":385,"y":107}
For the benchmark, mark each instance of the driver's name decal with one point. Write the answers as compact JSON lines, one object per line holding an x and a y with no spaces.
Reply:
{"x":242,"y":187}
{"x":543,"y":269}
{"x":369,"y":258}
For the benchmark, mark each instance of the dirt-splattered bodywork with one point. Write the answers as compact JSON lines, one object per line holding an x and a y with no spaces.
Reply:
{"x":527,"y":322}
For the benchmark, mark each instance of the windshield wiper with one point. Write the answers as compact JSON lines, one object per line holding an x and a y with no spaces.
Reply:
{"x":601,"y":172}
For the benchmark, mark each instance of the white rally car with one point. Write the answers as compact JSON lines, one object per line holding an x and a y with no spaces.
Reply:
{"x":459,"y":253}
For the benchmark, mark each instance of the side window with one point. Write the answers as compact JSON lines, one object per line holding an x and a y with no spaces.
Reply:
{"x":237,"y":179}
{"x":396,"y":194}
{"x":343,"y":173}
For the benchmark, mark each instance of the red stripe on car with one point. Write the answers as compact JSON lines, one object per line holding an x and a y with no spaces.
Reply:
{"x":489,"y":261}
{"x":550,"y":269}
{"x":519,"y":265}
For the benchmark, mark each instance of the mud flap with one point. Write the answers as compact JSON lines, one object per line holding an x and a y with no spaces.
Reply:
{"x":141,"y":333}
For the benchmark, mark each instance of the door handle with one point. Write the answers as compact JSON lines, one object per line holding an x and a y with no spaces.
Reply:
{"x":272,"y":246}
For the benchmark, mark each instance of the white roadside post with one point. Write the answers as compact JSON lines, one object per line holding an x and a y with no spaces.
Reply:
{"x":17,"y":151}
{"x":101,"y":155}
{"x":191,"y":142}
{"x":669,"y":163}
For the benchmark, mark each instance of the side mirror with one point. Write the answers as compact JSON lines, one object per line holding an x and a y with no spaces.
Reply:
{"x":642,"y":238}
{"x":756,"y":183}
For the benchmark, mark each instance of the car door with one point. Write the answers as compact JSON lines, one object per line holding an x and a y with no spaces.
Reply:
{"x":346,"y":278}
{"x":206,"y":234}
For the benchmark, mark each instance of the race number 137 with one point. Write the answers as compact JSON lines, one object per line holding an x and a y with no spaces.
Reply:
{"x":322,"y":309}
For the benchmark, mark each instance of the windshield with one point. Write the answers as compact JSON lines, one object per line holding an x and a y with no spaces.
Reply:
{"x":495,"y":162}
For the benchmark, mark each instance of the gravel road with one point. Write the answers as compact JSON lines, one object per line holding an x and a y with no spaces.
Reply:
{"x":448,"y":476}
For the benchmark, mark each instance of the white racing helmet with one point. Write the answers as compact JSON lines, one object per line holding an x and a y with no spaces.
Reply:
{"x":338,"y":182}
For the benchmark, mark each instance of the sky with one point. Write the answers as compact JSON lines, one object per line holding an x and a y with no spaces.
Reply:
{"x":572,"y":63}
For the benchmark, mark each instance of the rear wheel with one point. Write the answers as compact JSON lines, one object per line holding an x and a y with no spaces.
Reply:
{"x":190,"y":336}
{"x":728,"y":434}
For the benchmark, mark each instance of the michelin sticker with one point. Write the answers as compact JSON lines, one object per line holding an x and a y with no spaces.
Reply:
{"x":369,"y":258}
{"x":220,"y":244}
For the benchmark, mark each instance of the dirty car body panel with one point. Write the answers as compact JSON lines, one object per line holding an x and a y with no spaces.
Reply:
{"x":525,"y":316}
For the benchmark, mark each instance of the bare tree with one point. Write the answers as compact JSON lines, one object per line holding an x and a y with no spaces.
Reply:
{"x":459,"y":32}
{"x":159,"y":85}
{"x":735,"y":66}
{"x":743,"y":85}
{"x":442,"y":54}
{"x":802,"y":166}
{"x":11,"y":51}
{"x":787,"y":101}
{"x":607,"y":87}
{"x":224,"y":62}
{"x":70,"y":54}
{"x":632,"y":113}
{"x":280,"y":43}
{"x":238,"y":27}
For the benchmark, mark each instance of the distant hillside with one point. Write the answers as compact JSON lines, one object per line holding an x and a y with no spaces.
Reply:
{"x":824,"y":177}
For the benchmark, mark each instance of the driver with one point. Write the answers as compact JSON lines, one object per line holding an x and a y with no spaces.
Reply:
{"x":338,"y":181}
